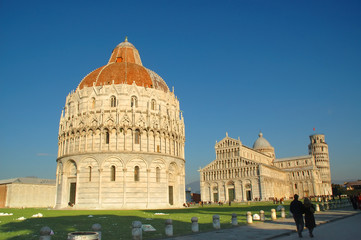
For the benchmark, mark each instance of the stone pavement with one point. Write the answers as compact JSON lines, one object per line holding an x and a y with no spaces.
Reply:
{"x":346,"y":229}
{"x":280,"y":228}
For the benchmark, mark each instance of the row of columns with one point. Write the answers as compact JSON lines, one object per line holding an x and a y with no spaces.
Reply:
{"x":64,"y":181}
{"x":121,"y":141}
{"x":240,"y":192}
{"x":230,"y":173}
{"x":230,"y":163}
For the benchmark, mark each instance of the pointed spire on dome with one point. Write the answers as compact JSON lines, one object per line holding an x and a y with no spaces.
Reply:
{"x":126,"y":39}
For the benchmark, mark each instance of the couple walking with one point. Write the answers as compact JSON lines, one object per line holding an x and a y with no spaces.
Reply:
{"x":298,"y":208}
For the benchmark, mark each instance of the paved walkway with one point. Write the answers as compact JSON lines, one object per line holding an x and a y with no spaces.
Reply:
{"x":279,"y":229}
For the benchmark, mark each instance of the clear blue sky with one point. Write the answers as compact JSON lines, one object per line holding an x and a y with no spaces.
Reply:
{"x":283,"y":67}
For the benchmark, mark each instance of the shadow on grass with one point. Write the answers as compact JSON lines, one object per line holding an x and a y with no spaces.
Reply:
{"x":118,"y":224}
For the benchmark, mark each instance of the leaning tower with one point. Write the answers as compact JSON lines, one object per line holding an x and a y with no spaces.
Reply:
{"x":319,"y":149}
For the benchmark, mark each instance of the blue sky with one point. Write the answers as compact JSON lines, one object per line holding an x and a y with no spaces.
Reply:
{"x":282,"y":67}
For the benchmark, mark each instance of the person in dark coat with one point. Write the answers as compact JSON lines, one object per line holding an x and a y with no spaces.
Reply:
{"x":297,"y":209}
{"x":354,"y":201}
{"x":309,"y":217}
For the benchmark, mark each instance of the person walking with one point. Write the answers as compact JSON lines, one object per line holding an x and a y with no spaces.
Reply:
{"x":309,"y":217}
{"x":297,"y":209}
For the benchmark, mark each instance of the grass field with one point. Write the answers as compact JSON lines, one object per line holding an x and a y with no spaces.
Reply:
{"x":116,"y":224}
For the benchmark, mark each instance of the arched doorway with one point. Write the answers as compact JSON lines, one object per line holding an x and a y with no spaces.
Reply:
{"x":231,"y":192}
{"x":215,"y":193}
{"x":71,"y":178}
{"x":172,"y":184}
{"x":248,"y":189}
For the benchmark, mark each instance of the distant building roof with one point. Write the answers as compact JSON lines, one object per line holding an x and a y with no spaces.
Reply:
{"x":355,"y":183}
{"x":292,"y":158}
{"x":29,"y":180}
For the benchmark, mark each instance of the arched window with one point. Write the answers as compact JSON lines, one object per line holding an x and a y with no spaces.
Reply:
{"x":107,"y":137}
{"x":92,"y":103}
{"x":152,"y":104}
{"x":134,"y":101}
{"x":136,"y":136}
{"x":136,"y":174}
{"x":112,"y":173}
{"x":113,"y":101}
{"x":90,"y":173}
{"x":157,"y":174}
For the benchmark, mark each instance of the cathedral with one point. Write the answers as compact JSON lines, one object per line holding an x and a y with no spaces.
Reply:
{"x":240,"y":173}
{"x":121,"y":139}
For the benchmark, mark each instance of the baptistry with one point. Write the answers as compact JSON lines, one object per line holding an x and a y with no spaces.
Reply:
{"x":121,"y":139}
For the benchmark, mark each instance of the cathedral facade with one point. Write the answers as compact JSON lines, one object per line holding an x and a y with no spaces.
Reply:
{"x":240,"y":173}
{"x":121,"y":139}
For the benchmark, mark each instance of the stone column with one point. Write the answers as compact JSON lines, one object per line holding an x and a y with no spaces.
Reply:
{"x":148,"y":194}
{"x":283,"y":213}
{"x":96,"y":227}
{"x":86,"y":142}
{"x":100,"y":141}
{"x":195,"y":226}
{"x":168,"y":228}
{"x":216,"y":222}
{"x":137,"y":233}
{"x":45,"y":233}
{"x":124,"y":186}
{"x":261,"y":214}
{"x":234,"y":219}
{"x":100,"y":187}
{"x":249,"y":218}
{"x":273,"y":214}
{"x":116,"y":140}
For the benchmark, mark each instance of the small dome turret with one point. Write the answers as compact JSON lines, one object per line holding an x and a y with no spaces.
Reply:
{"x":263,"y":146}
{"x":261,"y":142}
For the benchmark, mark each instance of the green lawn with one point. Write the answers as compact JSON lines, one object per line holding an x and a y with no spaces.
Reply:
{"x":116,"y":224}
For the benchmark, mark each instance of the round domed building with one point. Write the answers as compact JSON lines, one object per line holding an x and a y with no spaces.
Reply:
{"x":121,"y":139}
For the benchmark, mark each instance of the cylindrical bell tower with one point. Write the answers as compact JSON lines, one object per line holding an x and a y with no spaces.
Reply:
{"x":319,"y":149}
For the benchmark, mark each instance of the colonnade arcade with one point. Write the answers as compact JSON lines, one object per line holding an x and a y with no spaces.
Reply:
{"x":120,"y":139}
{"x":229,"y":173}
{"x":238,"y":190}
{"x":118,"y":183}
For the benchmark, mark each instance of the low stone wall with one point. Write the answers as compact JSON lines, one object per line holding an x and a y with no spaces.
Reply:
{"x":30,"y":195}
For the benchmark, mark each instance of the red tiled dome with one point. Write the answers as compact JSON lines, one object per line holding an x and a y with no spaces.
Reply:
{"x":124,"y":67}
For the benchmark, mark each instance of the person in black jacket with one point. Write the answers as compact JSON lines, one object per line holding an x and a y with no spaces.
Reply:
{"x":309,"y":217}
{"x":297,"y":209}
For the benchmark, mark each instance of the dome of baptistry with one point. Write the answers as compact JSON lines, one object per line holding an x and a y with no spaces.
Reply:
{"x":121,"y":139}
{"x":124,"y":67}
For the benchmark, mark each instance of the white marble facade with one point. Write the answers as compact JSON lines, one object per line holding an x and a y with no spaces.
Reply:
{"x":121,"y":139}
{"x":240,"y":173}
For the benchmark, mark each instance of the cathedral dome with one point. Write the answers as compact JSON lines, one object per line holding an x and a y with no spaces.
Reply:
{"x":124,"y":67}
{"x":261,"y":143}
